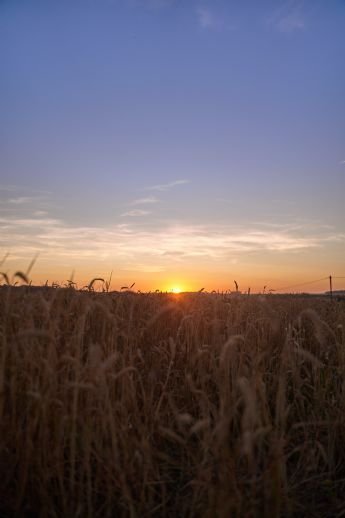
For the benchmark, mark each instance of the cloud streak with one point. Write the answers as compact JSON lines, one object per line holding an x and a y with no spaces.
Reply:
{"x":144,"y":201}
{"x":167,"y":186}
{"x":22,"y":200}
{"x":288,"y":18}
{"x":22,"y":189}
{"x":136,"y":213}
{"x":207,"y":19}
{"x":127,"y":245}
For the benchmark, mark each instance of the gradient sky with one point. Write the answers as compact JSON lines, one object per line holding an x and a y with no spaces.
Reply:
{"x":177,"y":143}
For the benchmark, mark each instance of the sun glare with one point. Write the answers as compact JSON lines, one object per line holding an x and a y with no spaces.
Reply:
{"x":176,"y":289}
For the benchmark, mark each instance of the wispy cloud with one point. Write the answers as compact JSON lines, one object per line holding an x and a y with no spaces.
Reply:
{"x":166,"y":186}
{"x":129,"y":245}
{"x":18,"y":198}
{"x":207,"y":19}
{"x":25,"y":201}
{"x":40,"y":213}
{"x":22,"y":189}
{"x":22,"y":200}
{"x":9,"y":188}
{"x":287,"y":18}
{"x":143,"y":201}
{"x":342,"y":162}
{"x":136,"y":213}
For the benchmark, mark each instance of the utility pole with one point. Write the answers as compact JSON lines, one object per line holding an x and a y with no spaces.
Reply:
{"x":330,"y":287}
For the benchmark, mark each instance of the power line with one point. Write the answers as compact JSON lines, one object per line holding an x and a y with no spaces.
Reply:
{"x":302,"y":284}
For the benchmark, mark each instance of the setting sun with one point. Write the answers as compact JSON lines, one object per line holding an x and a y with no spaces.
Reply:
{"x":176,"y":289}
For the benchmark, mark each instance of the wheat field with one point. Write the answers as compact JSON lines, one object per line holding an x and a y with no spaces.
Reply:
{"x":126,"y":404}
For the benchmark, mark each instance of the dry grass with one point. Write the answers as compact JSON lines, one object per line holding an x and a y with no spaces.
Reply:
{"x":157,"y":405}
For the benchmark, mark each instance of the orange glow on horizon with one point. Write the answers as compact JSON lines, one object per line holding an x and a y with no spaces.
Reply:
{"x":176,"y":290}
{"x":294,"y":278}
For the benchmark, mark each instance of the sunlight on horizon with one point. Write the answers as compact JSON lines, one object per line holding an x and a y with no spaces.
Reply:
{"x":176,"y":290}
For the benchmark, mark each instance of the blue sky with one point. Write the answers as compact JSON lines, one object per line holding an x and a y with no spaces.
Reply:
{"x":174,"y":142}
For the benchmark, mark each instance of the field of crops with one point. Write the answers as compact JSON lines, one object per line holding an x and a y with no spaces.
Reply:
{"x":141,"y":405}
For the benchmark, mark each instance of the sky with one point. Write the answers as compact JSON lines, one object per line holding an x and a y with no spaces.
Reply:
{"x":177,"y":144}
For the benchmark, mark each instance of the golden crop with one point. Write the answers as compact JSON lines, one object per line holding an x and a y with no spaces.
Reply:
{"x":124,"y":404}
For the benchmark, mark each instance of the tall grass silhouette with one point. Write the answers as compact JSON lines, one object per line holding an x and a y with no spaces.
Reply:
{"x":125,"y":404}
